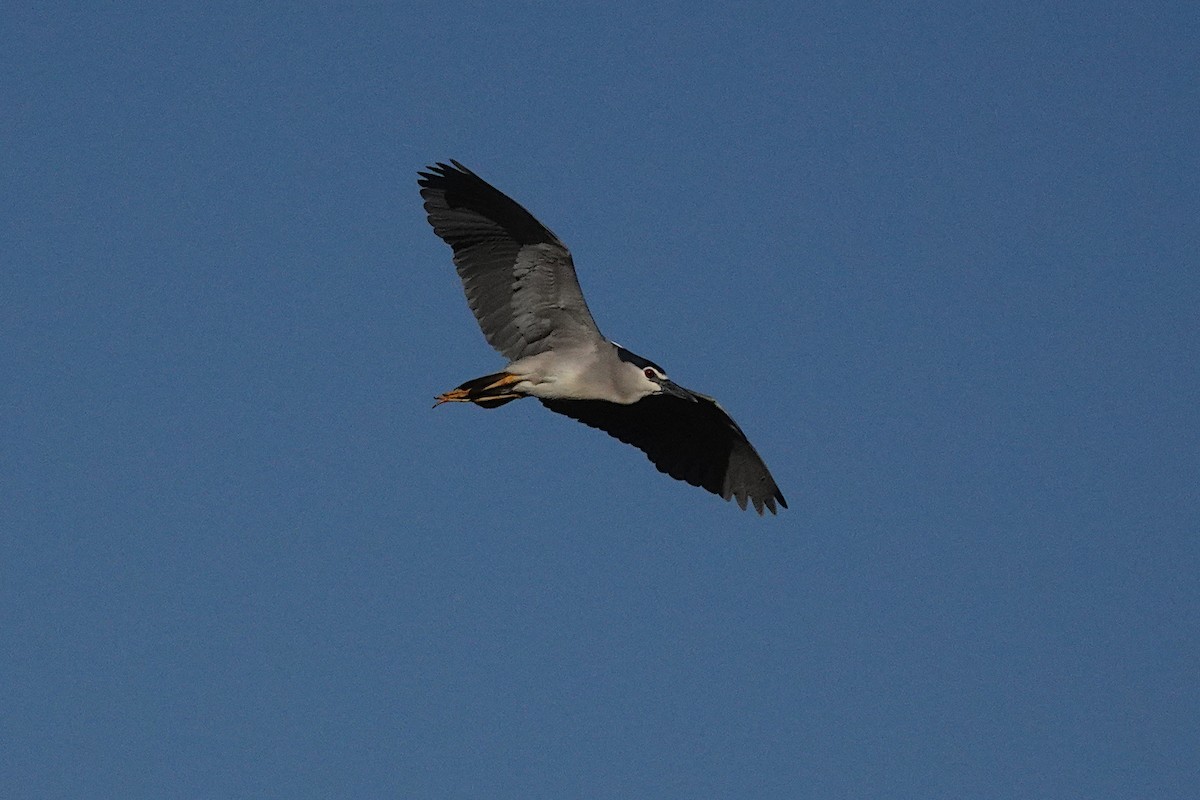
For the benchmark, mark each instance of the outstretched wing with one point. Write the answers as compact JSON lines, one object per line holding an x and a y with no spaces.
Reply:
{"x":696,"y":442}
{"x":519,"y":278}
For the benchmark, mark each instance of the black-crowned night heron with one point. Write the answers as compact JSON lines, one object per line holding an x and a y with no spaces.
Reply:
{"x":521,"y":285}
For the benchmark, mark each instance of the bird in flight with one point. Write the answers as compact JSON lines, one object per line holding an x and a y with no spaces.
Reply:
{"x":521,"y":285}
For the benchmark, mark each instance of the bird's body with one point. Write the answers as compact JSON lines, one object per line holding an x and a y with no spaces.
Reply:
{"x":521,"y":285}
{"x":573,"y":374}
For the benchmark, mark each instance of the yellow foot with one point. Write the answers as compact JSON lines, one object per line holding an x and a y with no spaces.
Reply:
{"x":455,"y":396}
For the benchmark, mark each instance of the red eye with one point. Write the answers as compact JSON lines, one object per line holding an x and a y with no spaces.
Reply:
{"x":649,"y":373}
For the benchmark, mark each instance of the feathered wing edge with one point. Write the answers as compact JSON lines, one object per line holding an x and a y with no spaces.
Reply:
{"x":518,"y":276}
{"x":695,"y":442}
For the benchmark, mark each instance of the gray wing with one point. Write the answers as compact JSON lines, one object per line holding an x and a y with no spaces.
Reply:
{"x":694,"y":442}
{"x":519,"y":278}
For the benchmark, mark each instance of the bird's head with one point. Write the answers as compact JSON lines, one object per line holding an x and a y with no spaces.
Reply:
{"x":648,"y":377}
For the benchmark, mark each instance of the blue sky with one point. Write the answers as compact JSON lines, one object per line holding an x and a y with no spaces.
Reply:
{"x":939,"y":261}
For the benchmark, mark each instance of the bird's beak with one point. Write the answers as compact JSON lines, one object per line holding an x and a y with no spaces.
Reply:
{"x":673,"y":388}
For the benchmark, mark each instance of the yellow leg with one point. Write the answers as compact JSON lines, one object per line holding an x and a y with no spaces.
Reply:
{"x":489,"y":391}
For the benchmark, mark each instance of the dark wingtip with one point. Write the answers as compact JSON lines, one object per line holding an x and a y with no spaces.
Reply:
{"x":763,"y":504}
{"x":769,"y":501}
{"x":440,"y":171}
{"x":760,"y":504}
